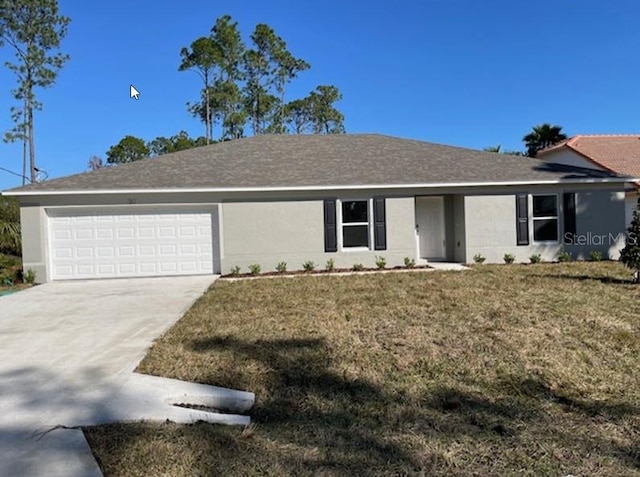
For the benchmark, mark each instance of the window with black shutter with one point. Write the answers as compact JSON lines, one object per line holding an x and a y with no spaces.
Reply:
{"x":522,"y":219}
{"x":569,"y":212}
{"x":379,"y":224}
{"x":330,"y":226}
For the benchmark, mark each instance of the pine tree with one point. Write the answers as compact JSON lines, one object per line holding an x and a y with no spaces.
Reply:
{"x":630,"y":254}
{"x":33,"y":29}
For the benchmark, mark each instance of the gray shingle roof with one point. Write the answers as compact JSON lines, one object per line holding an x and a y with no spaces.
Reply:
{"x":290,"y":161}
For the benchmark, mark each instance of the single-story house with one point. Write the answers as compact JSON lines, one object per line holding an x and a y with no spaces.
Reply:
{"x":617,"y":153}
{"x":296,"y":198}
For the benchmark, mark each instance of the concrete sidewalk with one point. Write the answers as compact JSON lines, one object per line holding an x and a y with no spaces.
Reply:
{"x":67,"y":352}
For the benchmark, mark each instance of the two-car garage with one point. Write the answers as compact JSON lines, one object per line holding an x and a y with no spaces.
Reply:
{"x":112,"y":242}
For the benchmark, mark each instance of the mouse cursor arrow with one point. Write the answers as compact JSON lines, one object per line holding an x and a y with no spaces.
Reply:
{"x":133,"y":92}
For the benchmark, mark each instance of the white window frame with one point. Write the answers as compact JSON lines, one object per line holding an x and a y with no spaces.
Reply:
{"x":546,"y":217}
{"x":341,"y":224}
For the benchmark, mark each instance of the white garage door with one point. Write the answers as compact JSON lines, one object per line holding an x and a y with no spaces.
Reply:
{"x":138,"y":243}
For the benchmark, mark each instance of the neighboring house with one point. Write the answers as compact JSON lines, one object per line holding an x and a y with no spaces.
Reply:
{"x":294,"y":198}
{"x":614,"y":153}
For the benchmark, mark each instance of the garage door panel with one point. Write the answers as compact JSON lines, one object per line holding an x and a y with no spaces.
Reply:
{"x":146,"y":232}
{"x":86,"y":269}
{"x":101,"y":244}
{"x":168,"y":250}
{"x":167,"y":232}
{"x":105,"y":252}
{"x":63,"y":234}
{"x":84,"y":252}
{"x":63,"y":270}
{"x":125,"y":232}
{"x":108,"y":269}
{"x":188,"y":231}
{"x":126,"y":269}
{"x":63,"y":252}
{"x":104,"y":233}
{"x":168,"y":267}
{"x":82,"y":233}
{"x":147,"y":251}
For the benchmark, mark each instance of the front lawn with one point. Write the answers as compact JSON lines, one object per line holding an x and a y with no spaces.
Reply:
{"x":500,"y":370}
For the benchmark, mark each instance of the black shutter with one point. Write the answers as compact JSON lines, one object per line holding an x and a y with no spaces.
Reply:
{"x":379,"y":224}
{"x":522,"y":219}
{"x":569,"y":207}
{"x":330,"y":226}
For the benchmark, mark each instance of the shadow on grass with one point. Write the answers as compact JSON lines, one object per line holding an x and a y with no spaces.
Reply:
{"x":598,"y":278}
{"x":537,"y":390}
{"x":314,"y":407}
{"x":358,"y":428}
{"x":312,"y":420}
{"x":525,"y":403}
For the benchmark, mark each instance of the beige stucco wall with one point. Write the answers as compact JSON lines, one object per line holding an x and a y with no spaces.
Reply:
{"x":34,"y":249}
{"x":454,"y":232}
{"x":460,"y":239}
{"x":490,"y":223}
{"x":267,"y":233}
{"x":569,"y":158}
{"x":600,"y":224}
{"x":288,"y":227}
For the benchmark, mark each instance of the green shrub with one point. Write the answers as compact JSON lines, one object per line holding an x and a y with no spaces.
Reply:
{"x":254,"y":268}
{"x":330,"y":266}
{"x":409,"y":262}
{"x":381,"y":262}
{"x":308,"y":266}
{"x":478,"y":258}
{"x":535,"y":258}
{"x":357,"y":267}
{"x":509,"y":258}
{"x":235,"y":271}
{"x":9,"y":261}
{"x":281,"y":267}
{"x":630,"y":254}
{"x":595,"y":256}
{"x":29,"y":276}
{"x":564,"y":256}
{"x":10,"y":270}
{"x":10,"y":238}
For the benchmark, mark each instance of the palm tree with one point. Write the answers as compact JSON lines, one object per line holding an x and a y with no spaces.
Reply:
{"x":543,"y":135}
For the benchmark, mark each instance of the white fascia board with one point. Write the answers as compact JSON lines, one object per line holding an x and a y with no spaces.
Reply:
{"x":611,"y":180}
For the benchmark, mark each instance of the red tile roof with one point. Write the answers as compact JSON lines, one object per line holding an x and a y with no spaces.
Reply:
{"x":619,"y":153}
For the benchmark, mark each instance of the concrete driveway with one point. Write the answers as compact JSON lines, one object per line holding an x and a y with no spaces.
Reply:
{"x":67,"y":352}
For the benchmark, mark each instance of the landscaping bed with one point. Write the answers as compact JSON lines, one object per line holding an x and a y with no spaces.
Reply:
{"x":501,"y":370}
{"x":12,"y":277}
{"x":335,"y":271}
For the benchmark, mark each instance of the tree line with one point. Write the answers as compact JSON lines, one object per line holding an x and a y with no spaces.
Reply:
{"x":247,"y":85}
{"x":131,"y":148}
{"x":241,"y":87}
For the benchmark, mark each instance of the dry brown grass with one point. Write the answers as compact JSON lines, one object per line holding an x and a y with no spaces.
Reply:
{"x":502,"y":370}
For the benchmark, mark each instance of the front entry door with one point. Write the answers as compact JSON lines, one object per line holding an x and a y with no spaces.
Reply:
{"x":430,"y":227}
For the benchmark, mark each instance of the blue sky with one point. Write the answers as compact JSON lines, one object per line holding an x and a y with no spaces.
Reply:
{"x":460,"y":72}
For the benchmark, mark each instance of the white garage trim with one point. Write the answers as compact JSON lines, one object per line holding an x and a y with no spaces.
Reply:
{"x":131,"y":241}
